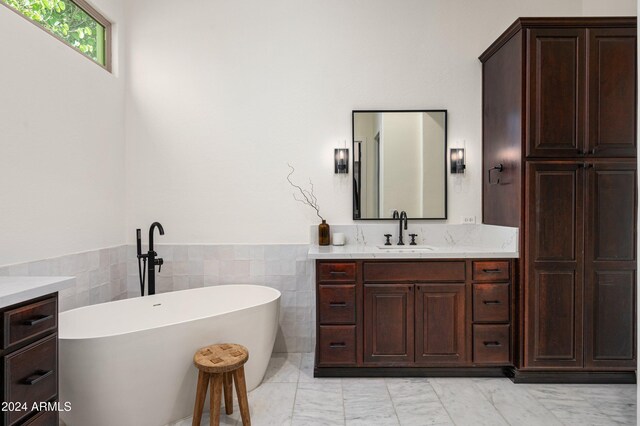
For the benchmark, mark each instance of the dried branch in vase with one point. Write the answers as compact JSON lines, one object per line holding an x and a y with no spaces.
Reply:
{"x":308,"y":197}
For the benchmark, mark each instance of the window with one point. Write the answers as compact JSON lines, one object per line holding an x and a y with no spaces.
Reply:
{"x":74,"y":22}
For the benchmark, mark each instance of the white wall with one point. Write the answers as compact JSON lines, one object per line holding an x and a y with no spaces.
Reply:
{"x":61,"y":144}
{"x":217,"y":105}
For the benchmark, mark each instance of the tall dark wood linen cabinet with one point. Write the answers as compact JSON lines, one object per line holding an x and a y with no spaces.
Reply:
{"x":559,"y":159}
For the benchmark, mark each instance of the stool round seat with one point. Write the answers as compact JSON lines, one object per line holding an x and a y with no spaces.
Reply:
{"x":219,"y":366}
{"x":220,"y":358}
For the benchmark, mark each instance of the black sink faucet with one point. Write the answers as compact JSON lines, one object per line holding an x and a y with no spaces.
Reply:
{"x":149,"y":259}
{"x":403,"y":217}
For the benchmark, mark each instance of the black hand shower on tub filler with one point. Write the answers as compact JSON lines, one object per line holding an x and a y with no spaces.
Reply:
{"x":149,"y":260}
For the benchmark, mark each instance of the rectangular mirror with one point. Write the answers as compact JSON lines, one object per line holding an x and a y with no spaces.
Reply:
{"x":399,"y":163}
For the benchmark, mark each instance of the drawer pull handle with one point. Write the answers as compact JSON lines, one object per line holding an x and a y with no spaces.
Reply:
{"x":37,"y":376}
{"x":492,"y":344}
{"x":491,"y":302}
{"x":337,"y":304}
{"x":37,"y":320}
{"x":492,"y":271}
{"x":337,"y":345}
{"x":338,"y":272}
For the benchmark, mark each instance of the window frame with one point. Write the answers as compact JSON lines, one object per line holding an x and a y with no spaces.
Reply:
{"x":93,"y":13}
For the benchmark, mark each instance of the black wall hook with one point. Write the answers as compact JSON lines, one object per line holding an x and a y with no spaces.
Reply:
{"x":500,"y":169}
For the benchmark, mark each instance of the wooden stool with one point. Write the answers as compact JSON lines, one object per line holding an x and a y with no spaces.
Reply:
{"x":217,"y":364}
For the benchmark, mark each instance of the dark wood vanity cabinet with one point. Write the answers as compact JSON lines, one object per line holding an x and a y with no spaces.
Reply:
{"x":414,"y":323}
{"x":418,"y":314}
{"x":30,"y":360}
{"x":564,"y":138}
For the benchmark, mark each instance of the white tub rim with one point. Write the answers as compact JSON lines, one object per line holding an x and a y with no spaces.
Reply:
{"x":276,"y":294}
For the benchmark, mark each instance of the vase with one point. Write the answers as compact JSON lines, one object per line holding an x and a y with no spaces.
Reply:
{"x":323,"y":233}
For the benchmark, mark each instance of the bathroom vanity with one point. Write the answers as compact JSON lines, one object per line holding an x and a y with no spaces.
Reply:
{"x":414,"y":311}
{"x":29,"y":308}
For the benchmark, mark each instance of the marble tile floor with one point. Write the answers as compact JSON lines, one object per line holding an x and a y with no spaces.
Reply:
{"x":290,"y":395}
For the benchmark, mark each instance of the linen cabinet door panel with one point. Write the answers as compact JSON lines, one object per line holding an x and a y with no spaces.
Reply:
{"x":612,"y":92}
{"x":554,"y":268}
{"x":441,"y":324}
{"x":388,"y":324}
{"x":555,"y":222}
{"x":611,"y":211}
{"x":610,"y":319}
{"x":556,"y":92}
{"x":554,"y":318}
{"x":610,"y":256}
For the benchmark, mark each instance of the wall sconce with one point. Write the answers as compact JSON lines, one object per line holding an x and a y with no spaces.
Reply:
{"x":457,"y":160}
{"x":341,"y":160}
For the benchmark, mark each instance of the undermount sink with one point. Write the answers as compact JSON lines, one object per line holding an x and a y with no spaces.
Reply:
{"x":407,"y":248}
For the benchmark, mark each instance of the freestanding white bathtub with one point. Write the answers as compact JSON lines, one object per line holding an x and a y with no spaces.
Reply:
{"x":130,"y":362}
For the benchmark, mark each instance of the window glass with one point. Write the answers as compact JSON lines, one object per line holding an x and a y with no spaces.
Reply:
{"x":69,"y":21}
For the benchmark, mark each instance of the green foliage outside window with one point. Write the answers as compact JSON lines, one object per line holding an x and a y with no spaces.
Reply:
{"x":68,"y":21}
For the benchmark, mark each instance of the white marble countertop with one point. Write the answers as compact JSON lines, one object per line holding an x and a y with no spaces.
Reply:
{"x":438,"y":241}
{"x":19,"y":289}
{"x":373,"y":252}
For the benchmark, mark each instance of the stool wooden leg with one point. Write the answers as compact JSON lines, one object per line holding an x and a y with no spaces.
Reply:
{"x":228,"y":393}
{"x":241,"y":389}
{"x":216,"y":398}
{"x":201,"y":394}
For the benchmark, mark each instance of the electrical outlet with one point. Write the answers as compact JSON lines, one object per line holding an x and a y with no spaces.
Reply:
{"x":468,"y":219}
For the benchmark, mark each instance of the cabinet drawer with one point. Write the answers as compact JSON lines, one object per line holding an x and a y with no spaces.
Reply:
{"x":337,"y":304}
{"x":438,"y":271}
{"x":336,"y":272}
{"x":491,"y":302}
{"x":491,"y":344}
{"x":491,"y":271}
{"x":31,"y":375}
{"x":30,"y":320}
{"x":337,"y":345}
{"x":45,"y":418}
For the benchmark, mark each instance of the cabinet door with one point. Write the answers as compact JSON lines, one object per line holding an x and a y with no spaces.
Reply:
{"x":610,"y":265}
{"x":612,"y":92}
{"x":556,"y":92}
{"x":388,"y":324}
{"x":554,"y":266}
{"x":441,"y":324}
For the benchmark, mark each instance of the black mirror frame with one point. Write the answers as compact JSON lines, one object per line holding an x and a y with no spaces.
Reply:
{"x":353,"y":159}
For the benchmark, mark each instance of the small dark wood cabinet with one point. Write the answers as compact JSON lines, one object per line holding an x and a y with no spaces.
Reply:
{"x":30,"y":361}
{"x":559,"y":153}
{"x":417,"y":317}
